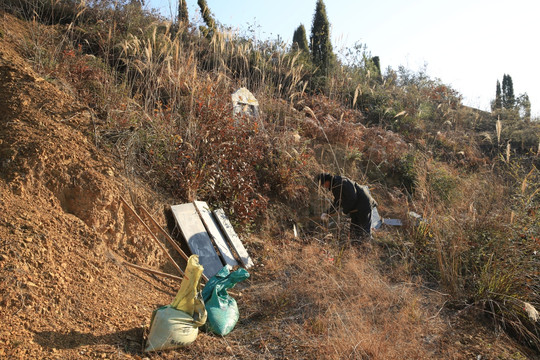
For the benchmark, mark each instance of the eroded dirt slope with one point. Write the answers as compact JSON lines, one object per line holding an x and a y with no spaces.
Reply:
{"x":63,"y":230}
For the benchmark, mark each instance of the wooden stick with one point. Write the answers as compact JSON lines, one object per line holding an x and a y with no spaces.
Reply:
{"x":153,"y":236}
{"x":169,"y":238}
{"x":152,"y":271}
{"x":155,"y":272}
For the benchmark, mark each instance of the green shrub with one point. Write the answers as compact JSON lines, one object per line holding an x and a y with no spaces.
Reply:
{"x":404,"y":172}
{"x":443,"y":184}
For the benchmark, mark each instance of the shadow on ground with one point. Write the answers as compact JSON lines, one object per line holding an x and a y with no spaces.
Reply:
{"x":130,"y":341}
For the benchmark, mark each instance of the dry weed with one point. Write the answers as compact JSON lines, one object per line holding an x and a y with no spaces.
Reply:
{"x":323,"y":302}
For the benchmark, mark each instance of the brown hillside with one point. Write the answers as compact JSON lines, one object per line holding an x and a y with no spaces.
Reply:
{"x":60,"y":228}
{"x":64,"y":233}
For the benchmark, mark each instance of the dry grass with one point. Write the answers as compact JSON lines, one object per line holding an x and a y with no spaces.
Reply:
{"x":166,"y":66}
{"x":316,"y":301}
{"x":472,"y":245}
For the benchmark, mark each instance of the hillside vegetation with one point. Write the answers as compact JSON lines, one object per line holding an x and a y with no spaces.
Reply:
{"x":107,"y":100}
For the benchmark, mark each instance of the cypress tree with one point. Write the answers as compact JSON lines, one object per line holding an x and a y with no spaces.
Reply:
{"x":508,"y":98}
{"x":377,"y":63}
{"x":498,"y":98}
{"x":300,"y":39}
{"x":183,"y":16}
{"x":321,"y":47}
{"x":207,"y":17}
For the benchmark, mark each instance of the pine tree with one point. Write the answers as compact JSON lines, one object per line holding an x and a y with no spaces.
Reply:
{"x":498,"y":99}
{"x":299,"y":39}
{"x":508,"y":98}
{"x":183,"y":16}
{"x":321,"y":47}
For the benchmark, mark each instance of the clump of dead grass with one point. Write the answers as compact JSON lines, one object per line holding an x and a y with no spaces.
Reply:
{"x":477,"y":239}
{"x":323,"y":301}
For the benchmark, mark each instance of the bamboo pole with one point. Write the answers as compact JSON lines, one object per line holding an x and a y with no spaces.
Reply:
{"x":169,"y":238}
{"x":152,"y":271}
{"x":153,"y":237}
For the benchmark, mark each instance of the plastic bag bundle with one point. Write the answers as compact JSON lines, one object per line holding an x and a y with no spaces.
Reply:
{"x":221,"y":307}
{"x":177,"y":324}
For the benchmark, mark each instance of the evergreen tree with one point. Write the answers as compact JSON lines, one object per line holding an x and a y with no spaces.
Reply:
{"x":183,"y":16}
{"x":508,"y":99}
{"x":321,"y":47}
{"x":498,"y":99}
{"x":377,"y":63}
{"x":300,"y":39}
{"x":207,"y":17}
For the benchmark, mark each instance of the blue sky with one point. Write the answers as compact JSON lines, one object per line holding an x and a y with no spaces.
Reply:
{"x":468,"y":44}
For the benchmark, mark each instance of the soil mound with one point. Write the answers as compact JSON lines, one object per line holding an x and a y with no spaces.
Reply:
{"x":63,"y":231}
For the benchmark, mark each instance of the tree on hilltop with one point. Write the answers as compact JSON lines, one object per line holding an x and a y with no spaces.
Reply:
{"x":376,"y":61}
{"x":207,"y":17}
{"x":183,"y":16}
{"x":299,"y":39}
{"x":497,"y":105}
{"x":507,"y":105}
{"x":321,"y":47}
{"x":508,"y":98}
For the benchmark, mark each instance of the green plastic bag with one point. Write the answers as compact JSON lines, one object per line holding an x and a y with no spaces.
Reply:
{"x":176,"y":325}
{"x":221,"y":307}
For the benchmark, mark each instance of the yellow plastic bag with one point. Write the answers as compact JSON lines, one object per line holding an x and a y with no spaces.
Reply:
{"x":177,"y":324}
